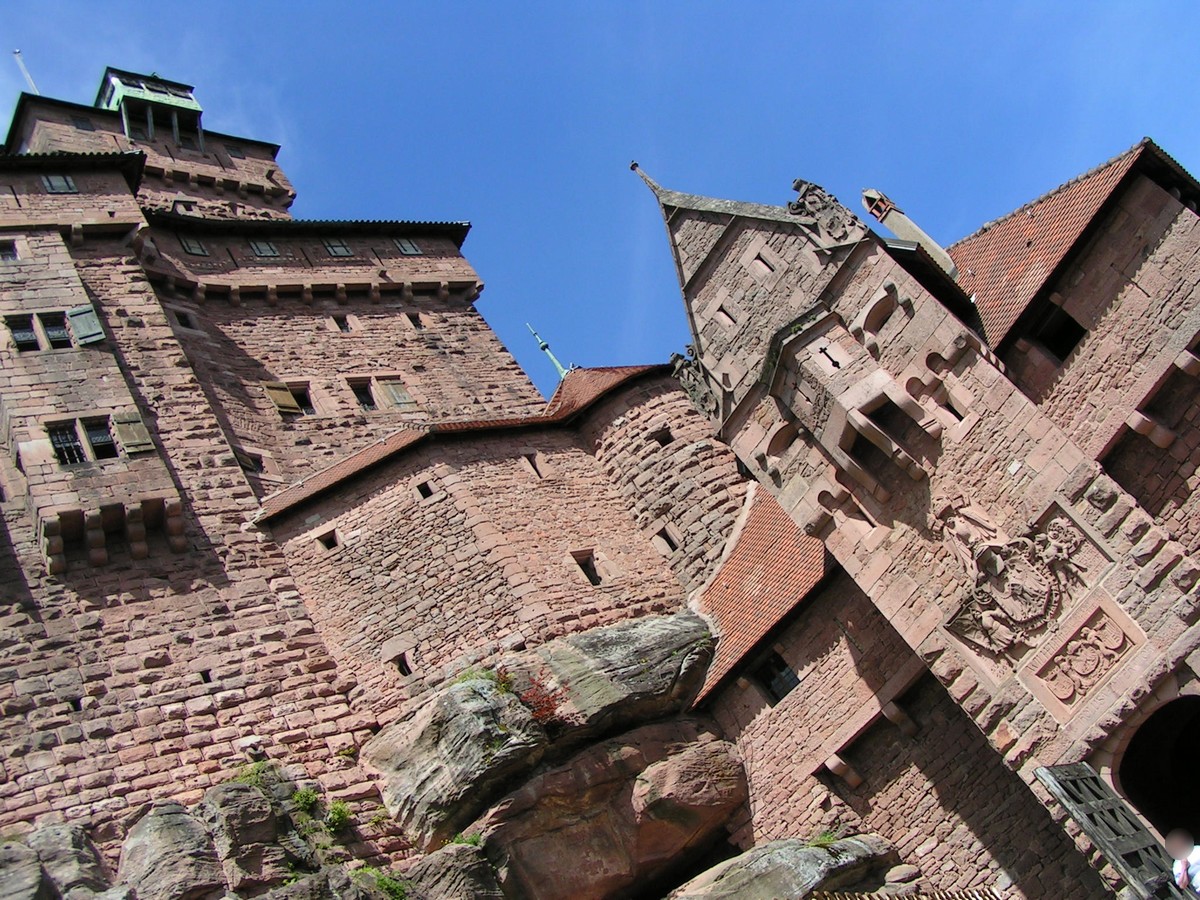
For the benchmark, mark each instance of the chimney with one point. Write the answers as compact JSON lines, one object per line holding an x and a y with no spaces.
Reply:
{"x":882,"y":208}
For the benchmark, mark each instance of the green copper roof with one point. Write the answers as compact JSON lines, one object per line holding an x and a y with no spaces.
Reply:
{"x":118,"y":86}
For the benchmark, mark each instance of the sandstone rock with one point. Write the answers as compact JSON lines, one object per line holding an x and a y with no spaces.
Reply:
{"x":902,"y":874}
{"x":616,"y":814}
{"x":456,"y":872}
{"x":68,"y":858}
{"x":241,"y":822}
{"x":789,"y":868}
{"x":21,"y":874}
{"x":441,"y":767}
{"x":328,"y":884}
{"x":444,"y":765}
{"x":168,"y":855}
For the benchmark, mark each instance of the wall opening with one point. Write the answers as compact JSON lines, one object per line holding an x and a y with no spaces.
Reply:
{"x":328,"y":540}
{"x":1158,"y":770}
{"x":586,"y":560}
{"x":776,"y":677}
{"x":662,"y":437}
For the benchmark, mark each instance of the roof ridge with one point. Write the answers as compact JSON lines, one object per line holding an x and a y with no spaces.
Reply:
{"x":988,"y":226}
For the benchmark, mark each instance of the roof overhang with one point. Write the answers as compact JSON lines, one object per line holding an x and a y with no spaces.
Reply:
{"x":128,"y":164}
{"x":456,"y":231}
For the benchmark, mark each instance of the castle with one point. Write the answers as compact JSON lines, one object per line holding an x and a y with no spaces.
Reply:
{"x":905,"y":547}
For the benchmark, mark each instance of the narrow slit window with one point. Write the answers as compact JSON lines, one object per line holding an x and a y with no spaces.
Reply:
{"x":54,"y":326}
{"x":185,"y":320}
{"x":586,"y":560}
{"x":64,"y":438}
{"x":776,"y":676}
{"x":24,"y":335}
{"x":100,"y":438}
{"x":666,"y":541}
{"x":8,"y":251}
{"x":250,"y":462}
{"x":264,"y":248}
{"x":425,"y":490}
{"x":206,"y":676}
{"x":338,"y":247}
{"x":403,"y":665}
{"x":407,"y":246}
{"x":59,"y":184}
{"x":414,"y":319}
{"x":364,"y":396}
{"x":662,"y":437}
{"x":342,"y":323}
{"x":192,"y":247}
{"x":531,"y":461}
{"x":328,"y":540}
{"x":723,"y":316}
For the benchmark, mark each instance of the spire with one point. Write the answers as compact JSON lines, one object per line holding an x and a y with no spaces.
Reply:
{"x":545,"y":348}
{"x":650,"y":182}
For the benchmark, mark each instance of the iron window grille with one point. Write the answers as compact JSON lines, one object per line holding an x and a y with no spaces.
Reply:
{"x":64,"y":438}
{"x":54,"y":326}
{"x":100,"y":439}
{"x":24,"y":335}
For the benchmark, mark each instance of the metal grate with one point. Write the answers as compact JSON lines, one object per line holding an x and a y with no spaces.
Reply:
{"x":970,"y":894}
{"x":1117,"y":833}
{"x":55,"y":327}
{"x":101,"y":439}
{"x":65,"y":441}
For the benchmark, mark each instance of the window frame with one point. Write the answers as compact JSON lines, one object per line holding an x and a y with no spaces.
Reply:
{"x":83,"y":123}
{"x":235,"y":152}
{"x":35,"y":338}
{"x":66,"y":341}
{"x":59,"y":184}
{"x":338,"y":248}
{"x":192,"y":246}
{"x":407,"y":247}
{"x":263,"y":249}
{"x":71,"y":445}
{"x":110,"y":444}
{"x":9,"y":251}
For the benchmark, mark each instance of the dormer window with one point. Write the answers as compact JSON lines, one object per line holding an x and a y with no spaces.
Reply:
{"x":337,"y":247}
{"x":83,"y":123}
{"x":407,"y":246}
{"x":264,"y":248}
{"x":192,"y":246}
{"x":235,"y":152}
{"x":189,"y":142}
{"x":59,"y":184}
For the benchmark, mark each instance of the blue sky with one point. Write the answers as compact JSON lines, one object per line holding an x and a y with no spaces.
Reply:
{"x":522,"y":118}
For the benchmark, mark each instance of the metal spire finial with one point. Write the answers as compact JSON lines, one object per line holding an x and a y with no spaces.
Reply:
{"x":650,"y":182}
{"x":545,"y":348}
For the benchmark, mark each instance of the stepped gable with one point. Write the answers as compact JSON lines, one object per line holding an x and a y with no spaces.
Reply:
{"x":1007,"y":262}
{"x":580,"y":389}
{"x":772,"y":567}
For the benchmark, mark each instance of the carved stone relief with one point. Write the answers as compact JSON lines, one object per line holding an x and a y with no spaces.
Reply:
{"x":1018,"y":585}
{"x":1084,"y":661}
{"x":688,"y":371}
{"x":820,"y":212}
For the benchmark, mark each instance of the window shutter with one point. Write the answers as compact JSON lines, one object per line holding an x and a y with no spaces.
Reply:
{"x":131,"y":432}
{"x":85,"y":325}
{"x":281,"y":396}
{"x":397,"y":395}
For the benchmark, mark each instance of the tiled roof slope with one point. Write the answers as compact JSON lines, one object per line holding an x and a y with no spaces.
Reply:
{"x":578,"y":390}
{"x":772,"y":567}
{"x":1006,"y":262}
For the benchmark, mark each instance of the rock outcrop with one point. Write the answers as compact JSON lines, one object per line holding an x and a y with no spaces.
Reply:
{"x":21,"y":874}
{"x":242,"y":823}
{"x":168,"y":855}
{"x":621,"y":812}
{"x":456,"y":872}
{"x":469,"y":742}
{"x":790,"y":868}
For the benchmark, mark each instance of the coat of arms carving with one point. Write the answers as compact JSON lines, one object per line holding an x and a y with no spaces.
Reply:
{"x":1018,"y":585}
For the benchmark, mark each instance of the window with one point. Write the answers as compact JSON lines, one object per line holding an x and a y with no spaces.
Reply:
{"x":65,"y":441}
{"x":138,"y":133}
{"x":414,"y":319}
{"x":290,"y":399}
{"x":328,"y":540}
{"x":8,"y":251}
{"x":338,"y":247}
{"x":531,"y":462}
{"x":394,"y":393}
{"x":235,"y":152}
{"x":407,"y":246}
{"x":1059,"y":333}
{"x":666,"y":540}
{"x":662,"y":437}
{"x":83,"y":123}
{"x":23,"y":333}
{"x":131,"y":433}
{"x":184,"y":320}
{"x":586,"y":560}
{"x":425,"y":490}
{"x":362,"y":393}
{"x":250,"y":462}
{"x":100,"y":439}
{"x":776,"y":677}
{"x":192,"y":246}
{"x":54,"y":326}
{"x":59,"y":184}
{"x":343,"y":324}
{"x":189,"y":142}
{"x":85,"y":325}
{"x":263,"y":248}
{"x":403,"y":666}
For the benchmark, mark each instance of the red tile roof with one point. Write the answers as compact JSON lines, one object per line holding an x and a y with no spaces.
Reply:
{"x":772,"y":567}
{"x":1007,"y":262}
{"x":578,"y":390}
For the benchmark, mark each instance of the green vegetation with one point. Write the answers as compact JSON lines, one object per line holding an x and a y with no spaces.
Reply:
{"x":257,"y":774}
{"x":499,"y":677}
{"x":338,"y":816}
{"x":826,"y":838}
{"x":347,"y":752}
{"x":305,"y":799}
{"x":382,"y":881}
{"x":473,"y":839}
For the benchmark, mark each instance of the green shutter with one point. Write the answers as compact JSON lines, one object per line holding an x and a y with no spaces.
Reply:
{"x":395,"y":392}
{"x":131,"y":433}
{"x":281,"y":396}
{"x":85,"y":325}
